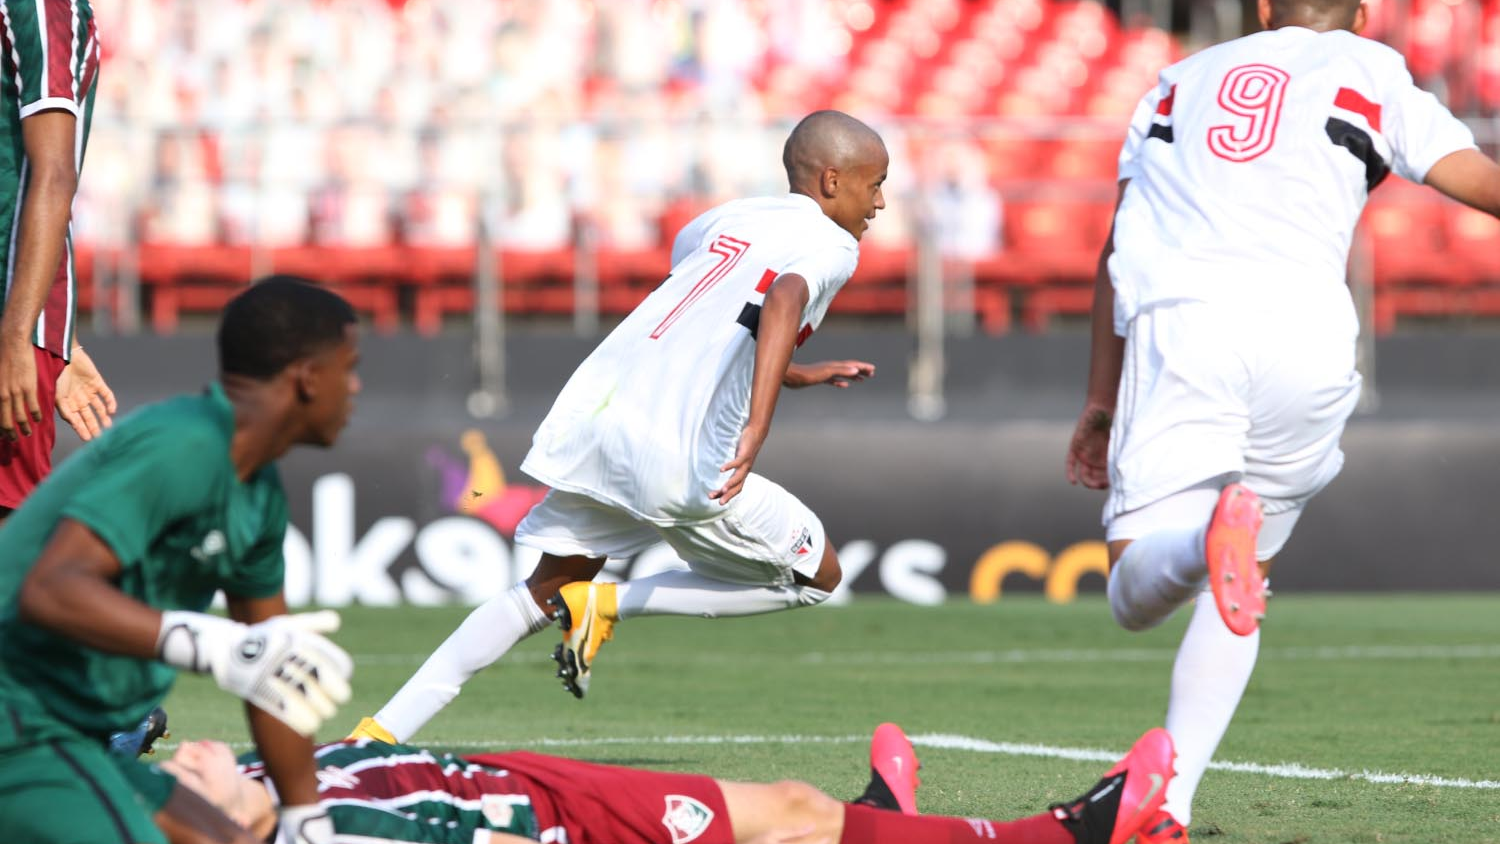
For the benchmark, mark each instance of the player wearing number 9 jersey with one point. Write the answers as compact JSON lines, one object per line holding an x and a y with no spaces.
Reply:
{"x":654,"y":437}
{"x":1222,"y":369}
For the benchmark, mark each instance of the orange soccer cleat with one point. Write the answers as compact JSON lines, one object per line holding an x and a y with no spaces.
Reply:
{"x":1233,"y":573}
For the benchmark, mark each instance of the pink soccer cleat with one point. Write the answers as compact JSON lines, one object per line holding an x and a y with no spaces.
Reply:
{"x":1162,"y":829}
{"x":1233,"y":574}
{"x":1130,"y":795}
{"x":893,"y":771}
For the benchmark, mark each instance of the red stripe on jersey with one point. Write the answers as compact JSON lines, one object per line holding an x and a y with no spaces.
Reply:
{"x":729,"y":250}
{"x":55,"y":312}
{"x":802,"y":335}
{"x":1354,"y":101}
{"x":765,"y":281}
{"x":60,"y":49}
{"x":1164,"y":107}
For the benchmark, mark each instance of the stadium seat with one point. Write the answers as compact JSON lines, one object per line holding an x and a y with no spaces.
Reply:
{"x":192,"y":278}
{"x":531,"y":280}
{"x":1474,"y":239}
{"x":879,"y":284}
{"x":366,"y":277}
{"x":1408,"y":241}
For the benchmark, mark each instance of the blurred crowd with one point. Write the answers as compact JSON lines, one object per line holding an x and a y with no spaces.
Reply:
{"x":365,"y":122}
{"x":355,"y":122}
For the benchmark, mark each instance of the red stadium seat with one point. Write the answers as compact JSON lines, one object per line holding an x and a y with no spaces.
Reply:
{"x":1087,"y":158}
{"x":1408,"y":242}
{"x":532,"y":280}
{"x":1474,"y":238}
{"x":1052,"y":252}
{"x":191,"y":278}
{"x":879,"y":284}
{"x":363,"y":276}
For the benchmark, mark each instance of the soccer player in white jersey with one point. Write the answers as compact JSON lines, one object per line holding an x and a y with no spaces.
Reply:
{"x":654,"y":437}
{"x":1222,"y":369}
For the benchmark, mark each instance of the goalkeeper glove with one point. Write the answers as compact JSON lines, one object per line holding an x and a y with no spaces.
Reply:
{"x":282,"y":665}
{"x":306,"y":825}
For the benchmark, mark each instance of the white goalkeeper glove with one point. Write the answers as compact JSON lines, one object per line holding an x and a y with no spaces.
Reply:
{"x":306,"y":825}
{"x":281,"y":665}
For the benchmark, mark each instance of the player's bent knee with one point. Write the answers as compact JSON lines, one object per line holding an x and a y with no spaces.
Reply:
{"x":1131,"y":621}
{"x":829,"y":573}
{"x":811,"y":596}
{"x":1126,"y":613}
{"x":804,"y":803}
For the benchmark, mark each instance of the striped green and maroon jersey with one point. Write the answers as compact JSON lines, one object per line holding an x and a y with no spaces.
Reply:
{"x":51,"y":61}
{"x":393,"y":793}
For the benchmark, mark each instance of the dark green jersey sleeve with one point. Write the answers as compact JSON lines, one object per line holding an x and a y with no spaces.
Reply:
{"x":260,"y":507}
{"x":145,"y":479}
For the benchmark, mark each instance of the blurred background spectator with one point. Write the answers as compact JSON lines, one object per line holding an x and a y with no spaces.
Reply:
{"x":351,"y":126}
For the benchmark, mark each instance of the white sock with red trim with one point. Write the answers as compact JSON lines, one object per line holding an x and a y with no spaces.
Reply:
{"x":492,"y":629}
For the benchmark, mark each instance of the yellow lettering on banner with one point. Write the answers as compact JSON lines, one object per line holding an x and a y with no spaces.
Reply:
{"x":1073,"y":563}
{"x":1060,"y":576}
{"x":1025,"y":557}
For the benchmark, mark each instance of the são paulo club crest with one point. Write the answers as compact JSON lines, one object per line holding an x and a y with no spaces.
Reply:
{"x":686,"y":818}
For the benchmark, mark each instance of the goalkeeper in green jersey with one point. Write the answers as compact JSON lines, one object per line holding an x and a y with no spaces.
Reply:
{"x":113,"y":560}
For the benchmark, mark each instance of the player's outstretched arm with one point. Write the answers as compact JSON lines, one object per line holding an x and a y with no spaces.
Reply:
{"x":1088,"y":452}
{"x":285,"y":747}
{"x":780,"y":318}
{"x":282,"y":665}
{"x":1470,"y":177}
{"x":837,"y":373}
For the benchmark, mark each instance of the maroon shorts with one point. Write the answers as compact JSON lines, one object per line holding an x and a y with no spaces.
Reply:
{"x":603,"y":804}
{"x":25,"y":462}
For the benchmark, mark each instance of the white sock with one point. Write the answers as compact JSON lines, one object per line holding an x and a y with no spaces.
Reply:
{"x":1157,"y":574}
{"x":687,"y":593}
{"x":493,"y":628}
{"x":1213,"y":667}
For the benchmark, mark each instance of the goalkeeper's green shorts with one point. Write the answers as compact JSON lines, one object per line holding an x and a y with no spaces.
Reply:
{"x":74,"y":791}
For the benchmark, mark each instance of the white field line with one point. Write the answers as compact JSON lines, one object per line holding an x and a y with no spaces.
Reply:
{"x":943,"y":741}
{"x":1328,"y":653}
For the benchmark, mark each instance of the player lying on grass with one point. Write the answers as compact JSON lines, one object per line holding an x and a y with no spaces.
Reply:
{"x":374,"y":791}
{"x":111,"y":563}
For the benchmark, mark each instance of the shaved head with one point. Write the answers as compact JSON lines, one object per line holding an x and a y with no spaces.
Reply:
{"x":827,"y":139}
{"x":839,"y":163}
{"x":1322,"y":15}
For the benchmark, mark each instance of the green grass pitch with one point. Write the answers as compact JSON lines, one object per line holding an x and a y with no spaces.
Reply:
{"x":1347,"y":687}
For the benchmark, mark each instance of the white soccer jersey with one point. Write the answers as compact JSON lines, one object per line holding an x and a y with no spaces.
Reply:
{"x":649,"y":417}
{"x":1250,"y":162}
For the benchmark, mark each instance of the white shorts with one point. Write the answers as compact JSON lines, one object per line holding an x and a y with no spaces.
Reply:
{"x":1192,"y":508}
{"x":765,"y":535}
{"x":1210,"y":390}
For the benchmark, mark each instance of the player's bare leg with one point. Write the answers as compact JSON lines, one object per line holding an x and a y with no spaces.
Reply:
{"x":1110,"y":813}
{"x":491,"y":630}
